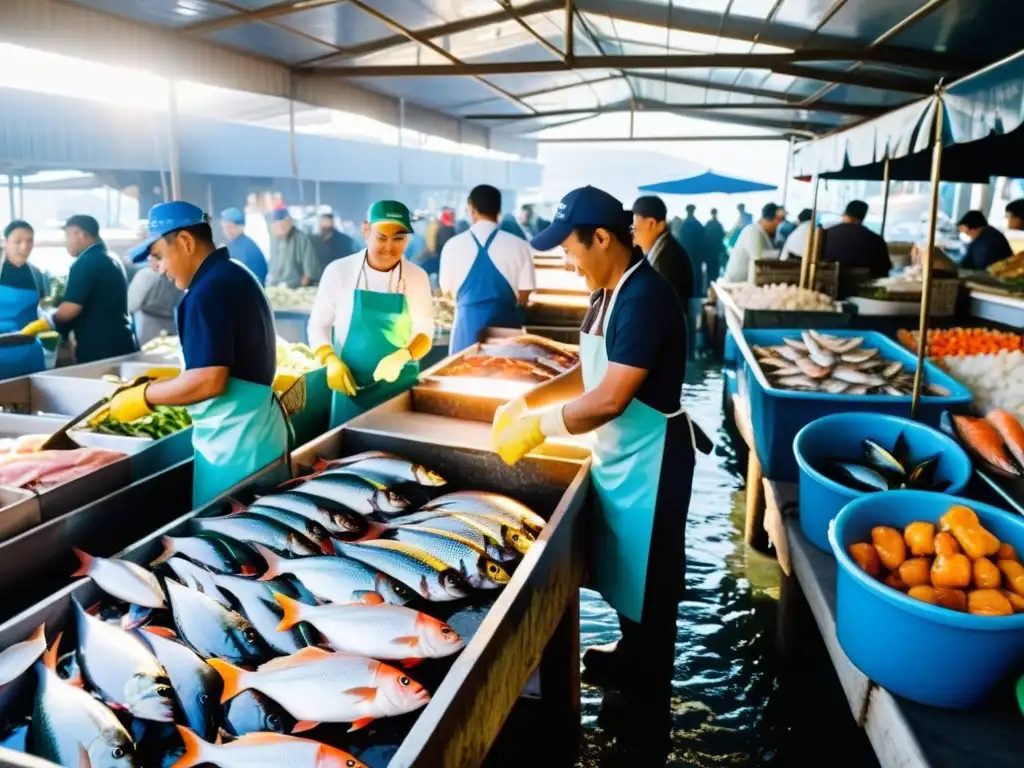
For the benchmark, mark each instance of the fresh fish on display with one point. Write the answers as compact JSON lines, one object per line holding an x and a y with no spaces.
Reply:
{"x":857,"y":389}
{"x":835,"y":387}
{"x":853,"y":376}
{"x":789,"y":370}
{"x":495,"y":548}
{"x":338,"y":579}
{"x":799,"y":346}
{"x":382,"y":464}
{"x":18,"y":658}
{"x":121,"y":669}
{"x":198,"y":578}
{"x":810,"y":369}
{"x":355,"y":493}
{"x":197,"y":686}
{"x":205,"y":550}
{"x":798,"y":382}
{"x":333,"y":517}
{"x":1010,"y":430}
{"x":788,"y":353}
{"x":385,"y":632}
{"x":213,"y":631}
{"x":891,"y":370}
{"x":302,"y":525}
{"x":859,"y":356}
{"x":263,"y":750}
{"x":776,"y":362}
{"x":842,"y":346}
{"x":122,"y":579}
{"x":817,"y":354}
{"x":429,"y":577}
{"x":66,"y":720}
{"x":256,"y":601}
{"x":485,"y":503}
{"x":493,"y":526}
{"x":458,"y":553}
{"x":256,"y":529}
{"x":316,"y":686}
{"x":986,"y":442}
{"x":254,"y":712}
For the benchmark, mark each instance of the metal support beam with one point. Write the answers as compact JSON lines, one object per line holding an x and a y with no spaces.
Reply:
{"x":570,"y":32}
{"x":383,"y":18}
{"x":772,"y":61}
{"x":671,"y":139}
{"x":263,"y":14}
{"x":173,"y":130}
{"x":432,"y":33}
{"x":860,"y":110}
{"x":921,"y":13}
{"x":545,"y":43}
{"x":899,"y":84}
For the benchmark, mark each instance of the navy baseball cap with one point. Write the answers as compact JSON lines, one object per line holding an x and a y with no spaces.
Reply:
{"x":584,"y":207}
{"x":87,"y":224}
{"x":280,"y":214}
{"x":165,"y":218}
{"x":232,"y":215}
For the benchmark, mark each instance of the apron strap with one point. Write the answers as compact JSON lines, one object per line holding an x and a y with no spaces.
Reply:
{"x":366,"y":280}
{"x":487,"y":243}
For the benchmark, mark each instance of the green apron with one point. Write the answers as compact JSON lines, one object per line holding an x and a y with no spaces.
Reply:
{"x":235,"y":435}
{"x":380,"y":324}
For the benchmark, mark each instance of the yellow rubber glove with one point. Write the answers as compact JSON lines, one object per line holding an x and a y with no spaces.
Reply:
{"x":162,"y":372}
{"x":511,"y":411}
{"x":36,"y":327}
{"x":523,"y":436}
{"x":284,"y":380}
{"x":339,"y":377}
{"x":390,"y":368}
{"x":130,"y":404}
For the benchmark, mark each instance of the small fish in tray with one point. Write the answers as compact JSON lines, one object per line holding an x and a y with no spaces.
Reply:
{"x":833,"y":365}
{"x":880,"y":469}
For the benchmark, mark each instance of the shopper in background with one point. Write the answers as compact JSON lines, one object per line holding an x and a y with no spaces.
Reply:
{"x":714,"y":240}
{"x":1015,"y":215}
{"x":852,"y":244}
{"x":694,"y":244}
{"x":445,"y":229}
{"x":743,"y":220}
{"x":152,"y":302}
{"x":509,"y":224}
{"x":293,"y":259}
{"x":663,"y":252}
{"x":240,"y":246}
{"x":489,"y":272}
{"x":329,"y":242}
{"x":754,"y":242}
{"x":95,"y":305}
{"x":796,"y":243}
{"x":784,"y":229}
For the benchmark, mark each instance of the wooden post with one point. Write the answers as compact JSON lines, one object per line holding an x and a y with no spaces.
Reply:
{"x":805,"y":262}
{"x":885,"y":195}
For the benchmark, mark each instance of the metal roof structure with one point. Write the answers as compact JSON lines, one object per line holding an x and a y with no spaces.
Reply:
{"x":493,"y":71}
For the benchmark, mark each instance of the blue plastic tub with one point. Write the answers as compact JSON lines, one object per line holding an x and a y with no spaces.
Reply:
{"x":926,"y":653}
{"x":841,"y":436}
{"x":778,"y":414}
{"x":731,"y":351}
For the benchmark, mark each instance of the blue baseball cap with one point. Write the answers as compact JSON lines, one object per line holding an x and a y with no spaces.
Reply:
{"x":584,"y":207}
{"x":232,"y":215}
{"x":165,"y":218}
{"x":280,"y":214}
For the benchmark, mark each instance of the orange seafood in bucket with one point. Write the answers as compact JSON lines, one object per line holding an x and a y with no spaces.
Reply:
{"x":957,"y":565}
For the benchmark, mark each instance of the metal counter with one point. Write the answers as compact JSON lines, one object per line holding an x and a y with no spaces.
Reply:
{"x":1007,"y":310}
{"x":19,"y":511}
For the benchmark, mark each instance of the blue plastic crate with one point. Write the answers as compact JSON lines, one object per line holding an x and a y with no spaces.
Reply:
{"x":778,"y":414}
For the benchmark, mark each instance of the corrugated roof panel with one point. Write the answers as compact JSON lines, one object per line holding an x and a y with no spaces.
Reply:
{"x":991,"y":30}
{"x":270,"y":41}
{"x":440,"y":92}
{"x":583,"y":96}
{"x":803,"y":13}
{"x":341,"y":24}
{"x":867,"y":21}
{"x":637,"y":38}
{"x":171,"y":13}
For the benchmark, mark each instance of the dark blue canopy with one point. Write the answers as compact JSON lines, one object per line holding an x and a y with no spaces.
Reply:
{"x":708,"y":182}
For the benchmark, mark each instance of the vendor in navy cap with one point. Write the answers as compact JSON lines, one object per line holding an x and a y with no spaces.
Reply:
{"x":229,"y":349}
{"x":627,"y":390}
{"x":95,"y":304}
{"x":242,"y":247}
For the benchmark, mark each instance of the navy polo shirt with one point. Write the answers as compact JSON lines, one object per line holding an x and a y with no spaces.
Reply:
{"x":986,"y":249}
{"x":225,"y":320}
{"x":647,"y":329}
{"x":244,"y":249}
{"x":97,"y":282}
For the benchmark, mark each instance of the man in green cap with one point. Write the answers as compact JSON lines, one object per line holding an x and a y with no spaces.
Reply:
{"x":373,"y":318}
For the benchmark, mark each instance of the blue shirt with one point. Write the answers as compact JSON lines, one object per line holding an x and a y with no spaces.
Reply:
{"x":244,"y":249}
{"x":225,"y":320}
{"x":647,"y":329}
{"x":97,"y":282}
{"x":986,"y":249}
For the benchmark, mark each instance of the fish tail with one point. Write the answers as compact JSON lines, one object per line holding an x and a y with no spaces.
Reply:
{"x":84,"y":562}
{"x":233,"y":677}
{"x":275,"y":563}
{"x":50,"y":654}
{"x":167,"y":553}
{"x":39,"y":633}
{"x":195,"y":749}
{"x":292,"y":612}
{"x":235,"y":506}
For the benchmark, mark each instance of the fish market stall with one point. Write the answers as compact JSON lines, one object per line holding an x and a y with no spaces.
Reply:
{"x":1005,"y":309}
{"x":483,"y":631}
{"x":558,"y":315}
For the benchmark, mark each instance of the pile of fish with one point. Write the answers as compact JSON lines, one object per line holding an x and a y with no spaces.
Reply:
{"x":835,"y":365}
{"x":997,"y":439}
{"x":304,"y":608}
{"x":880,"y":469}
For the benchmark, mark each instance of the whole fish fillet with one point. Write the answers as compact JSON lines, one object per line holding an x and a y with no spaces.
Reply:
{"x":986,"y":442}
{"x":1010,"y":430}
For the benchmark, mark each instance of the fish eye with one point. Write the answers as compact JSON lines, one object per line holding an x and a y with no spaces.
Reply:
{"x":163,"y":690}
{"x":446,"y":630}
{"x":250,"y":635}
{"x":274,"y":721}
{"x":350,"y":763}
{"x":404,"y":681}
{"x":117,"y":753}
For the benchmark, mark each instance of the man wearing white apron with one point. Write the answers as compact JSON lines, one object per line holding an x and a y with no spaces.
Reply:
{"x":229,"y":349}
{"x":626,"y":390}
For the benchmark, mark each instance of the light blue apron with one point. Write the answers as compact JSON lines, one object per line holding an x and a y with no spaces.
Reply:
{"x":18,"y":308}
{"x":235,"y":435}
{"x":484,"y":300}
{"x":380,"y":324}
{"x":626,"y":472}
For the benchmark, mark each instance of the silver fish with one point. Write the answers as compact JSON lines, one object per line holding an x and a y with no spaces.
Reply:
{"x":17,"y":659}
{"x":335,"y":518}
{"x":776,"y":362}
{"x":853,"y":376}
{"x":823,"y":358}
{"x":496,"y":548}
{"x":254,"y":712}
{"x":788,"y":353}
{"x":487,"y":503}
{"x":827,"y":341}
{"x":847,"y":345}
{"x":794,"y":382}
{"x":760,"y":351}
{"x":256,"y":600}
{"x":379,"y":464}
{"x":810,"y":369}
{"x":799,"y":346}
{"x":894,"y":391}
{"x":835,"y":387}
{"x":122,"y":579}
{"x":937,"y":390}
{"x":206,"y":550}
{"x":253,"y":528}
{"x":857,"y":389}
{"x":457,"y":553}
{"x":858,"y":356}
{"x":431,"y":578}
{"x":355,"y":493}
{"x":789,"y":370}
{"x":494,"y":526}
{"x":301,"y":524}
{"x":197,"y":686}
{"x":121,"y":669}
{"x":213,"y":631}
{"x":891,"y":370}
{"x":198,"y":578}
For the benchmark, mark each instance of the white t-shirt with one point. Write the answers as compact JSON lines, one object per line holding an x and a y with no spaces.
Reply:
{"x":335,"y":296}
{"x":796,"y":242}
{"x":511,"y":256}
{"x":753,"y":243}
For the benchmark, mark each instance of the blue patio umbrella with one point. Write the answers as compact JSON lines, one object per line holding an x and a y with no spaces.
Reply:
{"x":708,"y":182}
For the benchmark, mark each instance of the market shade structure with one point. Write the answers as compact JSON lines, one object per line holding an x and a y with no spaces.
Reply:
{"x":708,"y":183}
